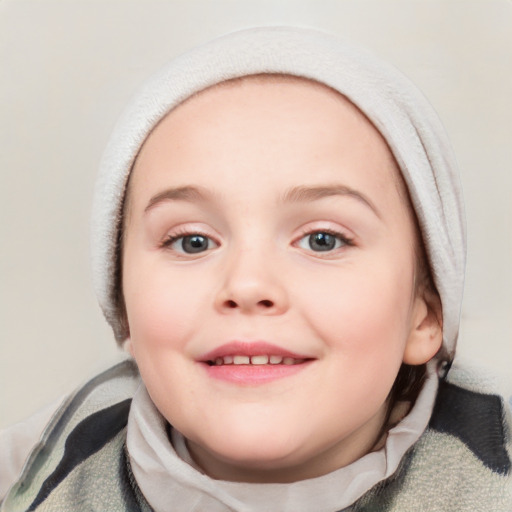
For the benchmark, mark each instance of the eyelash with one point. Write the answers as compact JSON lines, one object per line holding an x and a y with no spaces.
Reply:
{"x":183,"y":233}
{"x":345,"y":240}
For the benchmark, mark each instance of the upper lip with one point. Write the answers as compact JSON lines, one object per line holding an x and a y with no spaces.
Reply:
{"x":252,"y":348}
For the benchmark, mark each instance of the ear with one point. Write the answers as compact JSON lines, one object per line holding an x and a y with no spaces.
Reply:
{"x":426,"y":334}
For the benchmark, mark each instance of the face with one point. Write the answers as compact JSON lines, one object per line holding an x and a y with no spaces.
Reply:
{"x":268,"y":276}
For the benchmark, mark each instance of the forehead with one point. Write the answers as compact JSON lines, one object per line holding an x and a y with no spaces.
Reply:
{"x":280,"y":116}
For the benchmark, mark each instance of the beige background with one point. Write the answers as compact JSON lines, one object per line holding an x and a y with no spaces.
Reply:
{"x":68,"y":67}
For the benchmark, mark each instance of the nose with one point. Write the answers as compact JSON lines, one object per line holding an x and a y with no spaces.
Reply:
{"x":251,"y":284}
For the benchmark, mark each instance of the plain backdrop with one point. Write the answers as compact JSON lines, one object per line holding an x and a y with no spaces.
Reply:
{"x":68,"y":67}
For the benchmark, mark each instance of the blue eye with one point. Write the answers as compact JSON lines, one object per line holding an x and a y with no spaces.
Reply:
{"x":323,"y":241}
{"x":191,"y":244}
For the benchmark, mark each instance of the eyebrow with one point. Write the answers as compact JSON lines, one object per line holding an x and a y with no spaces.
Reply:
{"x":305,"y":194}
{"x":294,"y":195}
{"x":187,"y":193}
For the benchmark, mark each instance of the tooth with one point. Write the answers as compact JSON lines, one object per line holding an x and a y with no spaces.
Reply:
{"x":288,"y":360}
{"x":259,"y":360}
{"x":228,"y":359}
{"x":276,"y":359}
{"x":241,"y":359}
{"x":218,"y":361}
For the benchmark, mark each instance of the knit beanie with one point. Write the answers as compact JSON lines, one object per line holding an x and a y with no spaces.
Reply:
{"x":391,"y":102}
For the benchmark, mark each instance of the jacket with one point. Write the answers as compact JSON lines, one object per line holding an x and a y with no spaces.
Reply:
{"x":461,"y":463}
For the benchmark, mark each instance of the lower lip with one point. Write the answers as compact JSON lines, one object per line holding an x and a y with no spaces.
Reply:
{"x":254,"y":374}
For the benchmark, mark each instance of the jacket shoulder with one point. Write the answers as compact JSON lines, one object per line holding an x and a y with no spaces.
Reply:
{"x":83,"y":446}
{"x":479,"y":419}
{"x":462,"y":462}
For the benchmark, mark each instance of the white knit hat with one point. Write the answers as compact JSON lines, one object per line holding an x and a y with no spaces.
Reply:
{"x":394,"y":105}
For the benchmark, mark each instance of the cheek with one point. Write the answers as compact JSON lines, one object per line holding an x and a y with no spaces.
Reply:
{"x":162,"y":305}
{"x":162,"y":316}
{"x":362,"y":314}
{"x":363,"y":319}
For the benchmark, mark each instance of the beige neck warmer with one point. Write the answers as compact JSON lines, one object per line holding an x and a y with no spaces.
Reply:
{"x":166,"y":474}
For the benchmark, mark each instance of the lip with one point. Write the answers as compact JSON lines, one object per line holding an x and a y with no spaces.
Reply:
{"x":253,"y":348}
{"x":251,"y":375}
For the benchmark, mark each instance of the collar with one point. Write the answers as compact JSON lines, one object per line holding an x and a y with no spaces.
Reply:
{"x":166,"y":473}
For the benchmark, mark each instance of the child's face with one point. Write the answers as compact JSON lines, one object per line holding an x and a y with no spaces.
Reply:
{"x":264,"y":219}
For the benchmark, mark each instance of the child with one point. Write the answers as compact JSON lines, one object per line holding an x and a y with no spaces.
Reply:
{"x":278,"y":237}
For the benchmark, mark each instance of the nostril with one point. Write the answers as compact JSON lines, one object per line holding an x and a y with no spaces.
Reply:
{"x":261,"y":305}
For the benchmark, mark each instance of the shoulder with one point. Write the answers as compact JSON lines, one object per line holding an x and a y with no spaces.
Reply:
{"x":81,"y":453}
{"x":468,"y":409}
{"x":18,"y":440}
{"x":466,"y":452}
{"x":462,"y":462}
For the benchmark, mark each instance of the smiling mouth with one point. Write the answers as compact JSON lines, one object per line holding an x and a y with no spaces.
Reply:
{"x":256,"y":360}
{"x":253,"y":363}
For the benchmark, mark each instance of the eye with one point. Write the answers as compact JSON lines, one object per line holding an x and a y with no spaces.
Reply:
{"x":323,"y":241}
{"x":190,"y":244}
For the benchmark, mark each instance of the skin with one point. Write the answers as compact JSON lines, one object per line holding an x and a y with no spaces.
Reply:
{"x":354,"y":311}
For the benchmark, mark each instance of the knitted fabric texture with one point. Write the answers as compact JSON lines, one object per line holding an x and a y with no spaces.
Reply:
{"x":460,"y":464}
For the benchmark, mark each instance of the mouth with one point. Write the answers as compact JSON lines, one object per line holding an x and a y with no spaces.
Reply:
{"x":253,"y":362}
{"x":257,"y":360}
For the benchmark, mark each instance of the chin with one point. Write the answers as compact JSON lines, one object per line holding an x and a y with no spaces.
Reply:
{"x":252,"y":453}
